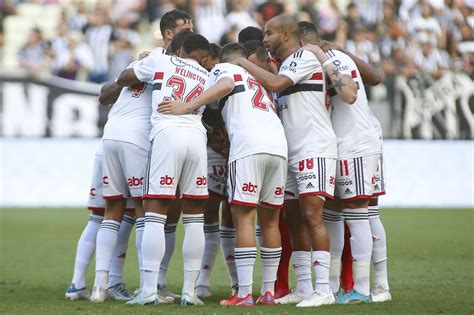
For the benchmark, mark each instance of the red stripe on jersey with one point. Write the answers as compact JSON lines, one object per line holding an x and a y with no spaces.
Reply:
{"x":237,"y":77}
{"x":354,"y":74}
{"x":158,"y":76}
{"x":340,"y":168}
{"x":346,"y":166}
{"x":317,"y":76}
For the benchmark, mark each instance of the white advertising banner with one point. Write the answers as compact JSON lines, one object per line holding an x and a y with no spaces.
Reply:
{"x":54,"y":172}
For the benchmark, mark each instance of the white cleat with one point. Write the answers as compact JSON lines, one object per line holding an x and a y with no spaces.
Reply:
{"x":165,"y":299}
{"x":317,"y":298}
{"x":380,"y":295}
{"x":99,"y":295}
{"x":292,"y":298}
{"x":75,"y":294}
{"x":187,"y":299}
{"x":203,"y":291}
{"x":142,"y":299}
{"x":165,"y":293}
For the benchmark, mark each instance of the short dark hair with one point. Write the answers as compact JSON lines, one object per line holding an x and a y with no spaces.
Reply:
{"x":177,"y":42}
{"x":232,"y":49}
{"x":215,"y":49}
{"x":308,"y":30}
{"x":169,"y":19}
{"x":256,"y":47}
{"x":195,"y":42}
{"x":250,"y":33}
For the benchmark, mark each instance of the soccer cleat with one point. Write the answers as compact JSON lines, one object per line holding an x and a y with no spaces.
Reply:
{"x":339,"y":293}
{"x":266,"y":299}
{"x":99,"y":295}
{"x":280,"y":293}
{"x":353,"y":297}
{"x":317,"y":298}
{"x":187,"y":299}
{"x":74,"y":294}
{"x":142,"y":299}
{"x":292,"y":298}
{"x":119,"y":292}
{"x":379,"y":295}
{"x":165,"y":293}
{"x":236,"y":301}
{"x":203,"y":291}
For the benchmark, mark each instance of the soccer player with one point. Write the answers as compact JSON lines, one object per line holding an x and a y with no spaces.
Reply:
{"x":180,"y":158}
{"x":359,"y":150}
{"x":257,"y":168}
{"x":312,"y":148}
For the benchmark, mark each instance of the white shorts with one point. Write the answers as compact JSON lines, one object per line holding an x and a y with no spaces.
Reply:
{"x":257,"y":179}
{"x":379,"y":188}
{"x":124,"y":167}
{"x":217,"y":170}
{"x":177,"y":156}
{"x":356,"y":177}
{"x":311,"y":177}
{"x":96,"y":201}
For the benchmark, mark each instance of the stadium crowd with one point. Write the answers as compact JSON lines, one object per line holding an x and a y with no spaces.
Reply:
{"x":416,"y":38}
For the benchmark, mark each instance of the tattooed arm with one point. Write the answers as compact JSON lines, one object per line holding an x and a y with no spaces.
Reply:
{"x":343,"y":83}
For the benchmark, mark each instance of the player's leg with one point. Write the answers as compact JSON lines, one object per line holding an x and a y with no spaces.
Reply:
{"x":140,"y":225}
{"x":282,"y":286}
{"x":174,"y":213}
{"x":315,"y":183}
{"x":212,"y":241}
{"x":227,"y":230}
{"x":346,"y":279}
{"x":87,"y":241}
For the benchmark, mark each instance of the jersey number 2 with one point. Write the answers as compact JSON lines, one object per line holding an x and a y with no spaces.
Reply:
{"x":259,"y":94}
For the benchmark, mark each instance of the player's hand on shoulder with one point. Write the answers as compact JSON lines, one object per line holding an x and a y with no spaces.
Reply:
{"x":327,"y":45}
{"x":143,"y":54}
{"x":239,"y":61}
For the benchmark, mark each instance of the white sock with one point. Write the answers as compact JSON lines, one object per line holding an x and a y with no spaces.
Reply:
{"x":270,"y":261}
{"x":321,"y":262}
{"x":138,"y":244}
{"x":227,"y":248}
{"x":361,"y":247}
{"x":170,"y":240}
{"x":120,"y":251}
{"x":193,"y":249}
{"x":302,"y":266}
{"x":212,"y":240}
{"x":85,"y":250}
{"x":105,"y":245}
{"x":335,"y":227}
{"x":258,"y":235}
{"x":244,"y":261}
{"x":153,"y":249}
{"x":379,"y":250}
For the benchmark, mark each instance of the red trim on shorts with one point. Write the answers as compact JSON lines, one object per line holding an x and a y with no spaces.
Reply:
{"x":289,"y":193}
{"x":114,"y":197}
{"x":137,"y":198}
{"x":375,"y":195}
{"x":96,"y":209}
{"x":316,"y":193}
{"x":245,"y":204}
{"x":356,"y":198}
{"x":216,"y":195}
{"x":195,"y":196}
{"x":269,"y":205}
{"x":149,"y":196}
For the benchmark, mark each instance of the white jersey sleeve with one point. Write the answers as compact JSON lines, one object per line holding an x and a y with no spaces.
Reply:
{"x":299,"y":68}
{"x":145,"y":68}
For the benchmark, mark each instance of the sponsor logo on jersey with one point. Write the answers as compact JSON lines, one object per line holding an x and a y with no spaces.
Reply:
{"x":105,"y":180}
{"x":201,"y":181}
{"x":249,"y":188}
{"x":306,"y":177}
{"x":331,"y":180}
{"x":92,"y":192}
{"x":279,"y":191}
{"x":217,"y":179}
{"x":344,"y":182}
{"x":166,"y":180}
{"x":135,"y":181}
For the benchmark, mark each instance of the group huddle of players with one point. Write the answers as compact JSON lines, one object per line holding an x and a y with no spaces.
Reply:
{"x":277,"y":133}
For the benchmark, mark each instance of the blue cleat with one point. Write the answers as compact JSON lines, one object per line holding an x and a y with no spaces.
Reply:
{"x":119,"y":292}
{"x":73,"y":293}
{"x":353,"y":297}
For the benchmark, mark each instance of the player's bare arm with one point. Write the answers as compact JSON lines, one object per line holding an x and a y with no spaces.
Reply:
{"x":368,"y":73}
{"x":127,"y":78}
{"x":109,"y":93}
{"x":223,"y":87}
{"x":272,"y":82}
{"x":343,"y":84}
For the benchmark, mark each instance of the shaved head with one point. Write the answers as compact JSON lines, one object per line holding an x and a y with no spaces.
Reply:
{"x":281,"y":36}
{"x":284,"y":23}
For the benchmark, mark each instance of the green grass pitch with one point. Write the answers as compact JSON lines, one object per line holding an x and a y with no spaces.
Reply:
{"x":431,"y":266}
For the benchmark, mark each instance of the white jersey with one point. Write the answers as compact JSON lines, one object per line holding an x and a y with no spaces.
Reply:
{"x":354,"y":124}
{"x":249,"y":115}
{"x":304,"y":114}
{"x":129,"y":118}
{"x":172,"y":75}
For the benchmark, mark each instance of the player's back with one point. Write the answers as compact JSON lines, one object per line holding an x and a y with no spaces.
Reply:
{"x":249,"y":114}
{"x":354,"y":124}
{"x":303,"y":110}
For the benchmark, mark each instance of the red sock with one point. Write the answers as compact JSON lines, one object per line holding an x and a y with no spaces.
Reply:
{"x":282,"y":287}
{"x":347,"y":281}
